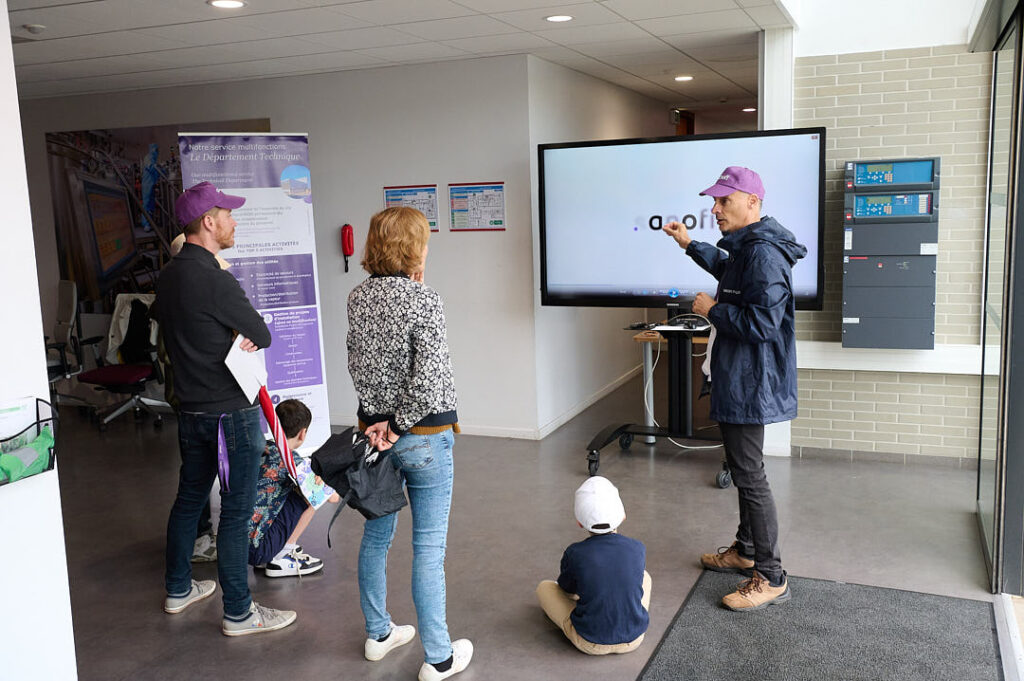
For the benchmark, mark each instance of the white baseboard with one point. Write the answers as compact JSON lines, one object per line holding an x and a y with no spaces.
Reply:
{"x":575,"y":410}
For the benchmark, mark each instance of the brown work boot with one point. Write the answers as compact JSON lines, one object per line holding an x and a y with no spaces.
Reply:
{"x":728,"y":559}
{"x":756,"y":593}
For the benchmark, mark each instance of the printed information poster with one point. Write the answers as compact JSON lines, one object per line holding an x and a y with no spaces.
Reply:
{"x":477,"y":206}
{"x":274,"y":256}
{"x":422,"y":197}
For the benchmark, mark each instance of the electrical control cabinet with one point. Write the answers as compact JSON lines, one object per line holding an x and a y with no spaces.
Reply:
{"x":890,"y":249}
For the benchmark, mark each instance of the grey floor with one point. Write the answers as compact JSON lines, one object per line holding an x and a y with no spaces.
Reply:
{"x":908,"y":527}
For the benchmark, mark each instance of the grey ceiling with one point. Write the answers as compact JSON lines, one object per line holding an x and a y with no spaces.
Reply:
{"x":107,"y":45}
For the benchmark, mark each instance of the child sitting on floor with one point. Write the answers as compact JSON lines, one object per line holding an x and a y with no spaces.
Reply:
{"x":603,"y":593}
{"x":281,"y":513}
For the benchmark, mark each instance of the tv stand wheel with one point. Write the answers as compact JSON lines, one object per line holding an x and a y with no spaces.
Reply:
{"x":593,"y":462}
{"x":625,"y":440}
{"x":723,"y":479}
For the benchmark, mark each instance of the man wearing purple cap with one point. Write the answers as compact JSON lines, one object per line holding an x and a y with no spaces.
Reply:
{"x":753,"y":368}
{"x":200,"y":308}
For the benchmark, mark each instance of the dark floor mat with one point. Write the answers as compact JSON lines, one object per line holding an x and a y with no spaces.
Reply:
{"x":828,"y":631}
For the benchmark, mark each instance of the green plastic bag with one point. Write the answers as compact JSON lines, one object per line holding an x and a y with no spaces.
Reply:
{"x":29,"y":460}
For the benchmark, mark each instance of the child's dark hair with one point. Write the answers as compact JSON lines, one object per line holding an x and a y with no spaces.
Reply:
{"x":294,"y":416}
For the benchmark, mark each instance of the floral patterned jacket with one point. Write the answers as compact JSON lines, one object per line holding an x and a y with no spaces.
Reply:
{"x":272,"y":488}
{"x":398,"y":354}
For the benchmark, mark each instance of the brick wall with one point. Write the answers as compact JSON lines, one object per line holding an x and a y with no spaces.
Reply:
{"x":916,"y":102}
{"x":900,"y":103}
{"x":888,"y":415}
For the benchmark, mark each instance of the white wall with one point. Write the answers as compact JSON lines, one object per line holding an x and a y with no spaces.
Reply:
{"x":458,"y":121}
{"x":581,"y":353}
{"x":834,"y":27}
{"x":35,"y":607}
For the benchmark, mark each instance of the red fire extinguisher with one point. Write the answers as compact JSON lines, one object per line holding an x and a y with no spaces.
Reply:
{"x":348,"y":243}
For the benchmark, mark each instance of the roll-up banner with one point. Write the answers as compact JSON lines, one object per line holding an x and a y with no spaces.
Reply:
{"x":274,"y":256}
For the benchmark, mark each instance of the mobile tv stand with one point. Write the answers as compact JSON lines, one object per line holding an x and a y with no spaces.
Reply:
{"x":680,"y":404}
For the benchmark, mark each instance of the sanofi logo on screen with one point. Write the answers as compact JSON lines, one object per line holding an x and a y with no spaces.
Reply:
{"x":691,"y":221}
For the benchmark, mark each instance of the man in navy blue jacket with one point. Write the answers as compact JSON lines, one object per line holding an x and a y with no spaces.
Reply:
{"x":753,"y":368}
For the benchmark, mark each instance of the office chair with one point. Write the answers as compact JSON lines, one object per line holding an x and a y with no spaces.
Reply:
{"x":139,"y":364}
{"x":64,"y":353}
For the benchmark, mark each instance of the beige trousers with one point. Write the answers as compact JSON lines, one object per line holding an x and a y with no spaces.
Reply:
{"x":558,"y":606}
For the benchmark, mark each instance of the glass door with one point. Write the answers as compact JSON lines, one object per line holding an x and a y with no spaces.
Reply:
{"x":991,"y":457}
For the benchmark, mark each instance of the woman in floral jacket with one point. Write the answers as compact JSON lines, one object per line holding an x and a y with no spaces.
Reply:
{"x":399,"y":363}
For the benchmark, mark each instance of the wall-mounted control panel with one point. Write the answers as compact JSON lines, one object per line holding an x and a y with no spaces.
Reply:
{"x":890,"y":249}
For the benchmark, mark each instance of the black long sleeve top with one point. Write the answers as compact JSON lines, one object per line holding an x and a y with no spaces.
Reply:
{"x":199,"y":306}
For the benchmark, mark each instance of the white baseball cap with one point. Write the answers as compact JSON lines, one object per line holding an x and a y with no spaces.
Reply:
{"x":598,"y":506}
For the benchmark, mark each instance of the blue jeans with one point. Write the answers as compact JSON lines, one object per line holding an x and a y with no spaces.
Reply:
{"x":197,"y":440}
{"x":426,"y":464}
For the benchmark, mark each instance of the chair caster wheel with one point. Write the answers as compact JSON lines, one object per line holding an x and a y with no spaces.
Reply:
{"x":625,"y":440}
{"x":593,"y":462}
{"x":723,"y":479}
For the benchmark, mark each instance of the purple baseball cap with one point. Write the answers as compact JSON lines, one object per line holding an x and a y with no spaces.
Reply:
{"x":736,"y":178}
{"x":196,"y":200}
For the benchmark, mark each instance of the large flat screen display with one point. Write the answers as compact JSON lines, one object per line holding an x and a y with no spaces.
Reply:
{"x":602,"y":205}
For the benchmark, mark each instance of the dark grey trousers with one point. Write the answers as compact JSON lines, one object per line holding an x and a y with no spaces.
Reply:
{"x":758,"y":533}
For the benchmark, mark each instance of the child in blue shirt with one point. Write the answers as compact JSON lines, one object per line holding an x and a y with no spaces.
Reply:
{"x":603,"y":592}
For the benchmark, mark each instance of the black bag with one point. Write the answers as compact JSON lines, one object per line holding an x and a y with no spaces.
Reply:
{"x":365,"y":478}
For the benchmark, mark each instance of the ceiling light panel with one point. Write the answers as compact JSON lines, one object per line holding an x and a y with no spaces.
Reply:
{"x":586,"y":14}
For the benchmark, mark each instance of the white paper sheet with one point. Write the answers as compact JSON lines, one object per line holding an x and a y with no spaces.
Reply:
{"x":248,"y":368}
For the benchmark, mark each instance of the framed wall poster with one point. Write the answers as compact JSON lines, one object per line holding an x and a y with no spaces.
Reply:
{"x":477,"y":206}
{"x":422,"y":197}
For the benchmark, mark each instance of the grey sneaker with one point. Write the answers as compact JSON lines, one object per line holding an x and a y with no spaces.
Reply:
{"x":199,"y":591}
{"x":400,"y":635}
{"x":260,"y":619}
{"x":462,"y":653}
{"x":205,"y":548}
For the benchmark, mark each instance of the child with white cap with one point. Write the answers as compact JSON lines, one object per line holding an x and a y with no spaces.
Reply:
{"x":603,"y":592}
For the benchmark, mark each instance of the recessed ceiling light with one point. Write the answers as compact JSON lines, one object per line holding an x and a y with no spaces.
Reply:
{"x":557,"y":18}
{"x":682,"y":79}
{"x":749,"y":109}
{"x":226,"y":4}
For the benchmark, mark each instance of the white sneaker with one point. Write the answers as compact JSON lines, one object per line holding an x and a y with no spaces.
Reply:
{"x":200,"y":590}
{"x":462,"y":653}
{"x":260,"y":619}
{"x":293,"y":564}
{"x":400,"y":635}
{"x":204,"y":550}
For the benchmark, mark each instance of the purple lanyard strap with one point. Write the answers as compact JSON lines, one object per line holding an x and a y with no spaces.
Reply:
{"x":223,"y":469}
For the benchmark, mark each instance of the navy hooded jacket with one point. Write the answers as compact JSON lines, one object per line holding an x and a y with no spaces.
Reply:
{"x":753,"y":358}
